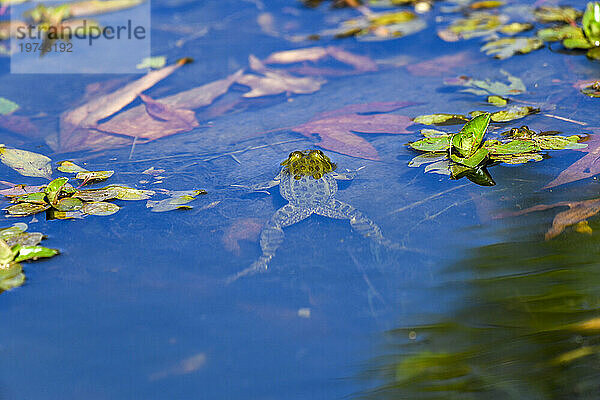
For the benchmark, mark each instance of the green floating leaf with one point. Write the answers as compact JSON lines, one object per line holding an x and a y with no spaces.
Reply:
{"x":440,"y":119}
{"x":470,"y":137}
{"x":591,"y":22}
{"x":513,"y":113}
{"x":7,"y":254}
{"x":439,"y":167}
{"x":25,"y":209}
{"x":559,"y":142}
{"x":94,"y":175}
{"x":34,"y":252}
{"x":26,"y":163}
{"x":12,"y":231}
{"x":53,"y":189}
{"x":68,"y":204}
{"x":432,"y":133}
{"x":99,"y":208}
{"x":577,"y":43}
{"x":507,"y":47}
{"x":178,"y":200}
{"x":36,"y":198}
{"x":516,"y":158}
{"x":70,"y":167}
{"x":7,"y":106}
{"x":382,"y":26}
{"x":97,"y":194}
{"x":517,"y":146}
{"x":497,"y":101}
{"x":439,"y":143}
{"x":127,"y":193}
{"x":559,"y":33}
{"x":475,"y":25}
{"x":489,"y":87}
{"x":473,"y":160}
{"x":152,"y":62}
{"x":426,"y":158}
{"x":11,"y":276}
{"x":556,"y":14}
{"x":593,"y":54}
{"x":515,"y":27}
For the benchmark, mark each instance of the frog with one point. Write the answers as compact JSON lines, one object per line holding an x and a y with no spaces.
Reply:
{"x":308,"y":181}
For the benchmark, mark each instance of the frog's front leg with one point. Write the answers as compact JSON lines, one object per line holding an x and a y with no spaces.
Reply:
{"x":262,"y":187}
{"x":359,"y":222}
{"x":272,"y":236}
{"x":348,"y":175}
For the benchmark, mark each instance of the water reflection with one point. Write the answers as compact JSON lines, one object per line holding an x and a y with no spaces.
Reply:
{"x":527,"y":328}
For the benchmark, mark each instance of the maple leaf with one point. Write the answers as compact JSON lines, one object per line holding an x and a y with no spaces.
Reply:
{"x":335,"y":128}
{"x":585,"y":167}
{"x":275,"y":81}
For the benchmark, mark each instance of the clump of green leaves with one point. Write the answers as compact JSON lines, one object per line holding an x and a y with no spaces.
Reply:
{"x":61,"y":200}
{"x":466,"y":153}
{"x":17,"y":245}
{"x":379,"y":26}
{"x":572,"y":36}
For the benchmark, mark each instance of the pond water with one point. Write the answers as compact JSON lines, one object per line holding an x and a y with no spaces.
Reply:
{"x":473,"y":303}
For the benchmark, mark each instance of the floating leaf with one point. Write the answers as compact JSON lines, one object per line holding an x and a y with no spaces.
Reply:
{"x":68,"y":204}
{"x":140,"y":122}
{"x":585,"y":167}
{"x":336,"y":128}
{"x":559,"y":33}
{"x":26,"y":163}
{"x":7,"y":254}
{"x":127,"y":193}
{"x":489,"y":87}
{"x":7,"y":106}
{"x":178,"y":200}
{"x":515,"y":27}
{"x":275,"y":81}
{"x":440,"y":119}
{"x":35,"y":198}
{"x":99,"y":208}
{"x":475,"y":25}
{"x":547,"y":142}
{"x":97,"y":195}
{"x":11,"y":276}
{"x":427,"y":158}
{"x":507,"y":47}
{"x":433,"y":144}
{"x":360,"y":63}
{"x":497,"y":101}
{"x":556,"y":14}
{"x":152,"y":62}
{"x":19,"y":190}
{"x":439,"y":167}
{"x":577,"y":43}
{"x":94,"y":175}
{"x":34,"y":252}
{"x":591,"y":22}
{"x":516,"y":158}
{"x":74,"y":125}
{"x":517,"y":146}
{"x":379,"y":26}
{"x":513,"y":113}
{"x":593,"y":54}
{"x":25,"y":209}
{"x":70,"y":167}
{"x":53,"y":189}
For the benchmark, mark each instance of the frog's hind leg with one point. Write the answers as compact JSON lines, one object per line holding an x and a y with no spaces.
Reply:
{"x":359,"y":222}
{"x":272,"y":236}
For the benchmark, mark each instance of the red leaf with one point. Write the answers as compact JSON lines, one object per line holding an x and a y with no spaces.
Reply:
{"x":335,"y":128}
{"x":585,"y":167}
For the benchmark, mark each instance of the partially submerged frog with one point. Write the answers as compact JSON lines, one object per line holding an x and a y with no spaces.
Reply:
{"x":308,"y":181}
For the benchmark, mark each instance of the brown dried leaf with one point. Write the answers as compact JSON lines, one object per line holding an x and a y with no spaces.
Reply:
{"x":360,"y":63}
{"x":585,"y":167}
{"x":75,"y":124}
{"x":335,"y":128}
{"x":275,"y":81}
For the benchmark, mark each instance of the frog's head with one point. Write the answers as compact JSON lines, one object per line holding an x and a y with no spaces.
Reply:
{"x":308,"y":163}
{"x":521,"y":133}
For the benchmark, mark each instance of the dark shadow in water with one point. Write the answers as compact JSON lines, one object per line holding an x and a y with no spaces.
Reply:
{"x":527,"y":328}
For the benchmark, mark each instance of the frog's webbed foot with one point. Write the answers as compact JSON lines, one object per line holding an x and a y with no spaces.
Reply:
{"x":359,"y":222}
{"x":272,"y":236}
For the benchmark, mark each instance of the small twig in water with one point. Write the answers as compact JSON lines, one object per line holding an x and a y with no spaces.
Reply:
{"x":565,"y":119}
